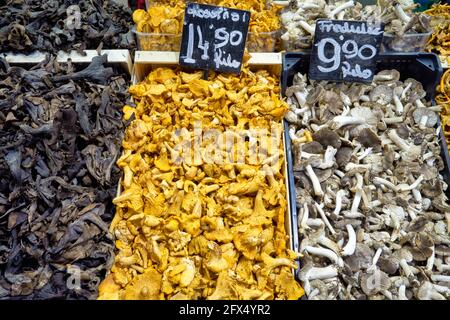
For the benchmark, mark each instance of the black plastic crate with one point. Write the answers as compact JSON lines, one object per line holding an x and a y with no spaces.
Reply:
{"x":424,"y":67}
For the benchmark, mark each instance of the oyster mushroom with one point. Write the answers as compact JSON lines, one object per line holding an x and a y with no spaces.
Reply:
{"x":425,"y":118}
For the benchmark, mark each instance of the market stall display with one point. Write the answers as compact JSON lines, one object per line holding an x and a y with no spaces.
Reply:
{"x":405,"y":31}
{"x":373,"y":218}
{"x":195,"y":220}
{"x":51,"y":26}
{"x":61,"y":129}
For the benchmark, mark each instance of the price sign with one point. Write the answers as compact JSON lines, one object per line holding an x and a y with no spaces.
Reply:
{"x":214,"y":37}
{"x":345,"y":50}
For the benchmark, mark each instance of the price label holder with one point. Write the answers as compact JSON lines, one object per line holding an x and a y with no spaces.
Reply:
{"x":214,"y":38}
{"x":345,"y":50}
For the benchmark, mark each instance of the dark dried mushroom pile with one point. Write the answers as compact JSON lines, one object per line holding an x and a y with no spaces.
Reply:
{"x":53,"y":25}
{"x":373,"y":217}
{"x":60,"y":133}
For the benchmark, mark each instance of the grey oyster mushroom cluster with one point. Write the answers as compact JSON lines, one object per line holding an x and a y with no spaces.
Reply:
{"x":372,"y":213}
{"x":299,"y":18}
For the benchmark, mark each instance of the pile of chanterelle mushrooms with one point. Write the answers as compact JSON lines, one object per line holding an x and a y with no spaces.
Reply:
{"x":300,"y":16}
{"x":372,"y":215}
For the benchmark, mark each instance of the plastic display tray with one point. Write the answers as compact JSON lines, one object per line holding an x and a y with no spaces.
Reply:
{"x":424,"y":67}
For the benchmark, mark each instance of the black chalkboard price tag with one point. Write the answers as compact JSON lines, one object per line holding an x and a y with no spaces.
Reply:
{"x":345,"y":50}
{"x":214,"y":38}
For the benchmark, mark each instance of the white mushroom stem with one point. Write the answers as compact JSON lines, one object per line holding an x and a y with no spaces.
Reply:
{"x":440,"y":278}
{"x":427,"y":156}
{"x":387,"y":294}
{"x":339,"y":195}
{"x":324,"y":218}
{"x":393,"y":120}
{"x":365,"y":153}
{"x":402,"y":292}
{"x":308,"y":28}
{"x":405,"y":91}
{"x":340,"y":8}
{"x":417,"y":195}
{"x":315,"y":181}
{"x":358,"y":194}
{"x":350,"y":247}
{"x":398,"y":105}
{"x":413,"y":185}
{"x":350,"y":166}
{"x":328,"y":159}
{"x":339,"y":173}
{"x":406,"y":268}
{"x":342,"y":121}
{"x":412,"y":214}
{"x":430,"y":261}
{"x":419,"y":104}
{"x":380,"y":181}
{"x":322,"y":273}
{"x":308,"y":5}
{"x":375,"y":258}
{"x":301,"y":111}
{"x":327,"y":253}
{"x":441,"y":289}
{"x":399,"y":142}
{"x":423,"y":122}
{"x":330,"y":244}
{"x":301,"y":98}
{"x":400,"y":13}
{"x":305,"y":215}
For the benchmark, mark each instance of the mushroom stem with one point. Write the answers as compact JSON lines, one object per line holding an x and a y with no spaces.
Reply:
{"x":398,"y":105}
{"x":324,"y":218}
{"x":305,"y":215}
{"x":414,"y":185}
{"x":402,"y":293}
{"x":330,"y":244}
{"x":393,"y":120}
{"x":430,"y":261}
{"x":399,"y":142}
{"x":365,"y":153}
{"x":325,"y":253}
{"x":315,"y":181}
{"x":310,"y":29}
{"x":322,"y":273}
{"x":340,"y":8}
{"x":350,"y":247}
{"x":423,"y":122}
{"x":440,"y":278}
{"x":375,"y":258}
{"x":419,"y":104}
{"x":314,"y":223}
{"x":406,"y":267}
{"x":405,"y":91}
{"x":301,"y":98}
{"x":342,"y":121}
{"x":400,"y":13}
{"x":339,"y":195}
{"x":384,"y":182}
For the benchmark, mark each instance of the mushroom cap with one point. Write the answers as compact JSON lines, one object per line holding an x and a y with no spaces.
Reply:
{"x":361,"y":259}
{"x":394,"y":76}
{"x":323,"y":174}
{"x":327,"y":137}
{"x":372,"y":283}
{"x":313,"y":147}
{"x":314,"y":95}
{"x":403,"y":253}
{"x":343,"y":156}
{"x":416,"y":90}
{"x":382,"y":94}
{"x":369,"y":139}
{"x":332,"y":101}
{"x":422,"y":112}
{"x":293,"y":89}
{"x":388,"y":265}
